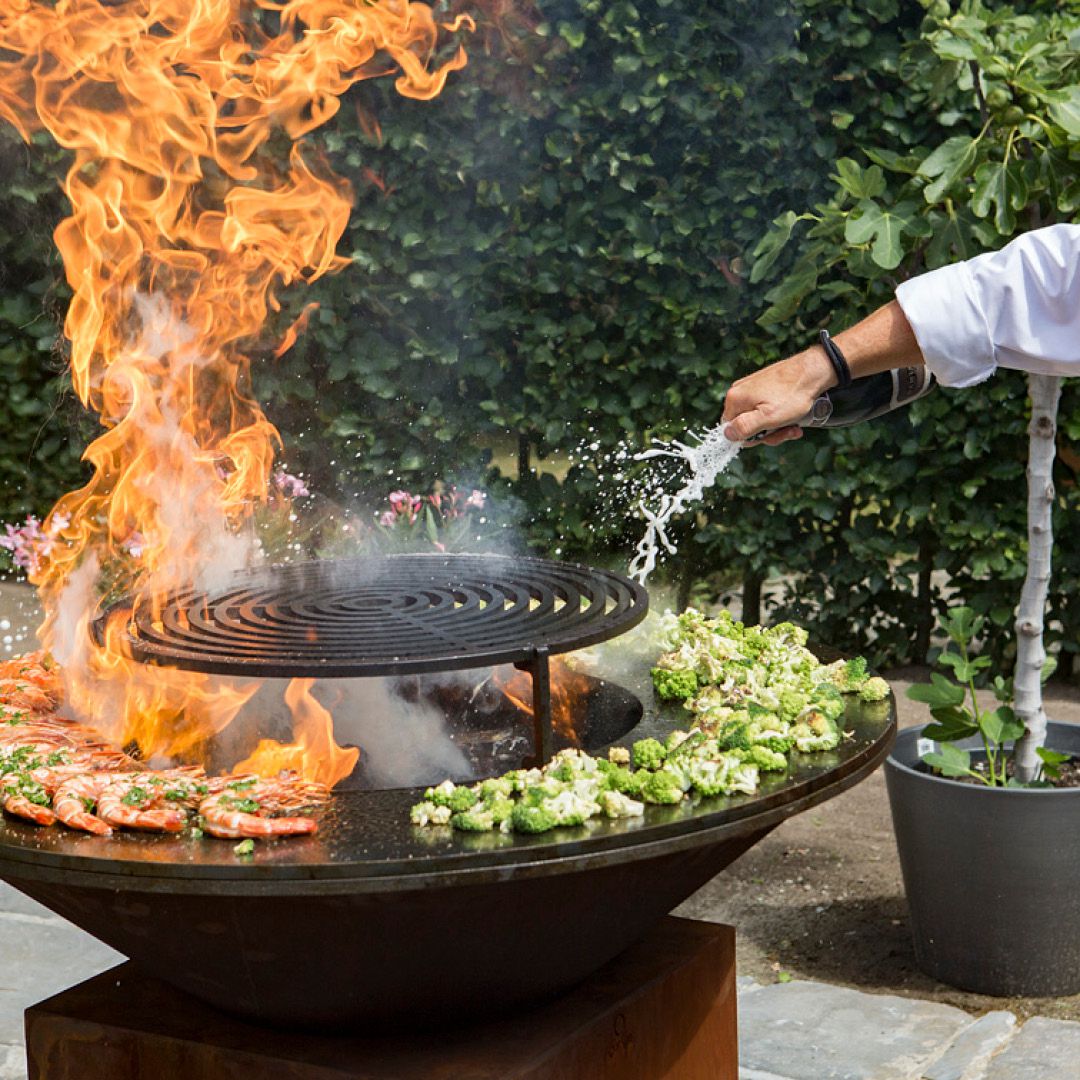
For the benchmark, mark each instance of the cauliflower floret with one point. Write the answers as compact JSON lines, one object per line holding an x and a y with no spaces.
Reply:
{"x":427,"y":813}
{"x":619,"y":755}
{"x":617,"y":805}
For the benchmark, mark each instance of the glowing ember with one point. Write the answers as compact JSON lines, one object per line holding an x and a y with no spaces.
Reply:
{"x":569,"y":689}
{"x":185,"y":225}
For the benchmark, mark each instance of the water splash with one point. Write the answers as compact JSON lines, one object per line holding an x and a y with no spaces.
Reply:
{"x":707,"y":459}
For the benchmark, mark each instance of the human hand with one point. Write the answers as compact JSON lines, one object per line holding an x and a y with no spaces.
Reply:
{"x":774,"y":397}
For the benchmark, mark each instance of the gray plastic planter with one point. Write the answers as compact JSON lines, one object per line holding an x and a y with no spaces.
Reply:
{"x":992,"y":875}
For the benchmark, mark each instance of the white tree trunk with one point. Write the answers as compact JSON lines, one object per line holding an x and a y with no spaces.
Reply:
{"x":1030,"y":653}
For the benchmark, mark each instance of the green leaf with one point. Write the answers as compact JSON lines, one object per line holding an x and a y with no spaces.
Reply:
{"x":949,"y":760}
{"x":938,"y":692}
{"x":1000,"y":726}
{"x":1002,"y":187}
{"x":951,"y":725}
{"x":860,"y":183}
{"x":772,"y":244}
{"x":1066,"y":111}
{"x":952,"y":160}
{"x":961,"y":624}
{"x":1052,"y":761}
{"x":882,"y":225}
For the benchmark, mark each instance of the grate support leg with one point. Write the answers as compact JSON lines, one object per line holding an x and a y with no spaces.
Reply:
{"x":543,"y":734}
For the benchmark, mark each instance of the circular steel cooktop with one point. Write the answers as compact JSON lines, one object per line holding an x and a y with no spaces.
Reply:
{"x":366,"y":843}
{"x":386,"y":615}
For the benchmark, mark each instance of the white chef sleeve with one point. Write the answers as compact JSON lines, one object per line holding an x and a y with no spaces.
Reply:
{"x":1015,"y":308}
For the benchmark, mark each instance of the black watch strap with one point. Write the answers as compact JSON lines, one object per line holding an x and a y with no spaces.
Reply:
{"x":836,"y":358}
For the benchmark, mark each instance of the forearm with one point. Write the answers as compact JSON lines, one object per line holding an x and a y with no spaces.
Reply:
{"x":881,"y":342}
{"x":781,"y":394}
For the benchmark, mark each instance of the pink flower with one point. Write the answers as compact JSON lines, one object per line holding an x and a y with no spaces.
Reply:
{"x":292,"y":487}
{"x":387,"y":518}
{"x":27,"y":543}
{"x":476,"y":499}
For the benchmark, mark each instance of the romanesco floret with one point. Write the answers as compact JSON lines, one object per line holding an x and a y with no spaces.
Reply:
{"x":734,"y":735}
{"x":440,"y":795}
{"x":675,"y":738}
{"x":532,"y":819}
{"x":829,"y":701}
{"x":765,"y":759}
{"x":495,"y":786}
{"x":674,"y":685}
{"x":619,"y":778}
{"x":617,"y":805}
{"x":874,"y":689}
{"x":662,"y":788}
{"x":648,"y":754}
{"x":500,"y":807}
{"x":449,"y":794}
{"x":679,"y":768}
{"x":473,"y":821}
{"x":792,"y":703}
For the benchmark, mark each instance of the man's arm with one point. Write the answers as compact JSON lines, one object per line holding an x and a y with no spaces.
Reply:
{"x":1018,"y":308}
{"x":776,"y":396}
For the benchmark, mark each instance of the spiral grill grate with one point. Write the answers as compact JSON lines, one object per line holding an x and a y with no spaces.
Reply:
{"x":388,"y":615}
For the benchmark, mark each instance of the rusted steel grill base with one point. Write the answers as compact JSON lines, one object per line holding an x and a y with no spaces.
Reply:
{"x":664,"y":1010}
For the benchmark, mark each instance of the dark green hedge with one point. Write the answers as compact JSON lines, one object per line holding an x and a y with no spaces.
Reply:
{"x":555,"y":255}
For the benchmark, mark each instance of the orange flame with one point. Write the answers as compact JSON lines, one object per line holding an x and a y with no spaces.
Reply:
{"x":314,"y":753}
{"x":186,"y":224}
{"x":569,"y":689}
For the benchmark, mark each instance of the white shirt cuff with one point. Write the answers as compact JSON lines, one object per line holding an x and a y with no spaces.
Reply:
{"x":950,"y":325}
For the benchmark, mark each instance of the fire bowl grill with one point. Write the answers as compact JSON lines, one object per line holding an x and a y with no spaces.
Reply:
{"x":390,"y":615}
{"x":372,"y":922}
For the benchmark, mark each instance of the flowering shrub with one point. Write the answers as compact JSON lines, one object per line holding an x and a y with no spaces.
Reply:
{"x":292,"y":524}
{"x":443,"y":519}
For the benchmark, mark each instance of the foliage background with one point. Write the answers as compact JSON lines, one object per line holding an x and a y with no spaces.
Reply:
{"x":599,"y":225}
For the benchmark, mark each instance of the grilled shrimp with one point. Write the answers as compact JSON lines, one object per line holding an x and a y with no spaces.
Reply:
{"x":37,"y":668}
{"x":76,"y":797}
{"x":16,"y":802}
{"x":250,"y":806}
{"x":156,"y":801}
{"x":23,"y":694}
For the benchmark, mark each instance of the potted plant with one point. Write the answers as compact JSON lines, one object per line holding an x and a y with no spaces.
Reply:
{"x":991,"y":869}
{"x":990,"y":862}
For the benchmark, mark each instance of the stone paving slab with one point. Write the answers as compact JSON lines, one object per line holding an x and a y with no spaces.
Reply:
{"x":967,"y":1056}
{"x":40,"y":955}
{"x":1043,"y":1049}
{"x":812,"y":1031}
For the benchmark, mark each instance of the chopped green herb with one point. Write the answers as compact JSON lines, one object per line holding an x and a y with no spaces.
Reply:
{"x":88,"y":804}
{"x":242,"y":785}
{"x":244,"y":806}
{"x":245,"y":847}
{"x":136,"y":796}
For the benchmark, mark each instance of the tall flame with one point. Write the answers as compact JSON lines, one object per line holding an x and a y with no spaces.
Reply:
{"x":188,"y":218}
